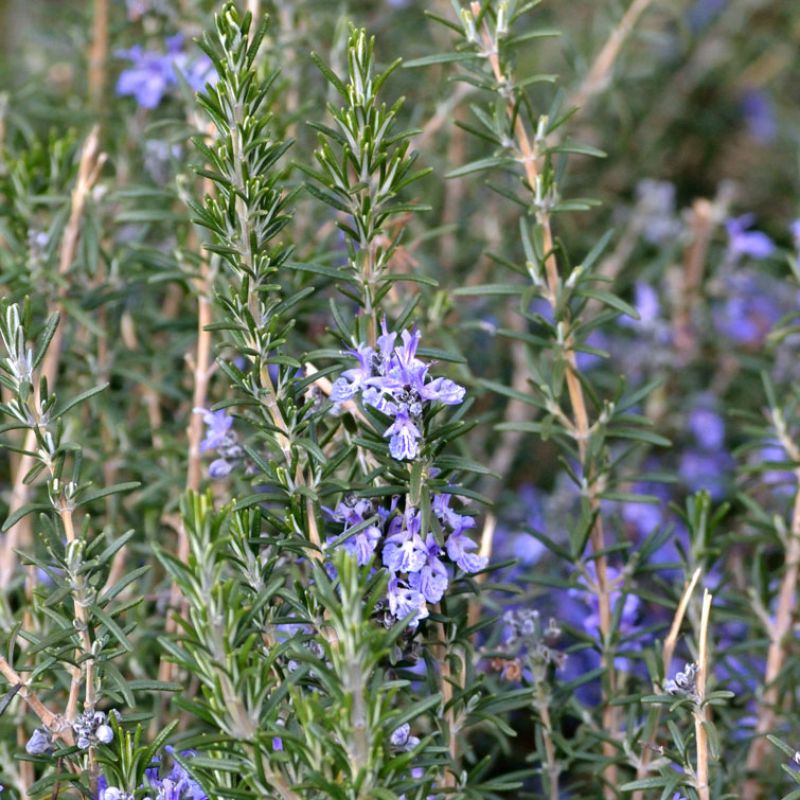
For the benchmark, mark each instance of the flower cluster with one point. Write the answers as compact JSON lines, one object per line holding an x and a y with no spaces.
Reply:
{"x":220,"y":437}
{"x":152,"y":73}
{"x":684,"y":684}
{"x":92,"y":727}
{"x":529,"y":645}
{"x":414,"y":558}
{"x":175,"y":783}
{"x":394,"y":381}
{"x":172,"y":784}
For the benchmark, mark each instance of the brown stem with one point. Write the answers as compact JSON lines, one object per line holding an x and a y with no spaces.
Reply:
{"x":50,"y":720}
{"x":779,"y":632}
{"x":702,"y":226}
{"x":666,"y":659}
{"x":599,"y":73}
{"x":98,"y":55}
{"x":549,"y":751}
{"x":83,"y":627}
{"x":19,"y":535}
{"x":529,"y":157}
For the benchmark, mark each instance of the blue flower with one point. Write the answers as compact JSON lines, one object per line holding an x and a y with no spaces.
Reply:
{"x":152,"y":74}
{"x":707,"y":426}
{"x":219,"y":424}
{"x":351,"y":381}
{"x":752,"y":306}
{"x":220,"y":437}
{"x":148,"y":79}
{"x":354,"y":512}
{"x":219,"y":468}
{"x":404,"y":437}
{"x":459,"y":549}
{"x":405,"y":552}
{"x":402,"y":738}
{"x":404,"y":601}
{"x":40,"y":743}
{"x":432,"y":579}
{"x":394,"y":381}
{"x":758,"y":112}
{"x":744,"y":242}
{"x":176,"y":783}
{"x":709,"y":471}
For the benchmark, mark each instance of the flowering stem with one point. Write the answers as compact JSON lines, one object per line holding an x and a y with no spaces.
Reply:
{"x":666,"y":658}
{"x":780,"y":630}
{"x":529,"y":158}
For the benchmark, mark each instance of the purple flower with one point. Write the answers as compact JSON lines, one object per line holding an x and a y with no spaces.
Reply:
{"x":404,"y":601}
{"x":744,"y":242}
{"x":351,"y":381}
{"x":779,"y":478}
{"x":630,"y":608}
{"x":148,"y":79}
{"x":402,"y":738}
{"x":40,"y":743}
{"x":219,"y":468}
{"x":354,"y":512}
{"x":586,"y":361}
{"x":644,"y":518}
{"x":758,"y":111}
{"x":152,"y":74}
{"x":707,"y":427}
{"x":405,"y":552}
{"x":218,"y":427}
{"x":794,"y":229}
{"x":708,"y":471}
{"x":752,"y":306}
{"x":220,"y":437}
{"x":646,"y":302}
{"x":459,"y":549}
{"x":176,"y":783}
{"x":431,"y":580}
{"x":443,"y":390}
{"x":394,"y":381}
{"x":404,"y":437}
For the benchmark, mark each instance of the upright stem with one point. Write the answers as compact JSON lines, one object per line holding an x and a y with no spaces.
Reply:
{"x":666,"y":659}
{"x":529,"y":157}
{"x":701,"y":710}
{"x":19,"y":535}
{"x":779,"y":631}
{"x":600,"y":71}
{"x":549,"y":751}
{"x":98,"y":55}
